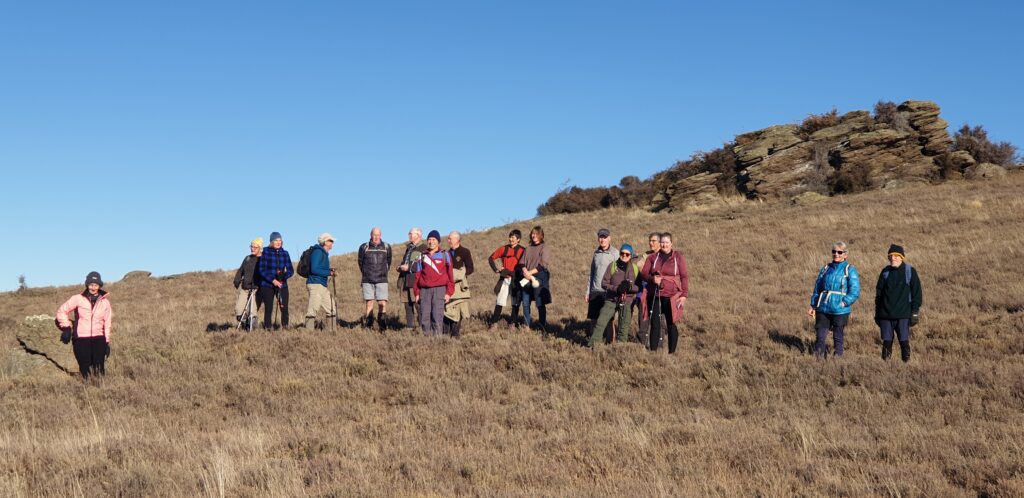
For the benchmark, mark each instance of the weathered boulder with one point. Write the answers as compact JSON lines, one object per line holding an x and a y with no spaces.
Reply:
{"x":696,"y":190}
{"x":38,"y":335}
{"x":985,"y":171}
{"x":136,"y":275}
{"x":808,"y":199}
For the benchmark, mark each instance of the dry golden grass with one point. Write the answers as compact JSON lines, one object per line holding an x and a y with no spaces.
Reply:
{"x":741,"y":410}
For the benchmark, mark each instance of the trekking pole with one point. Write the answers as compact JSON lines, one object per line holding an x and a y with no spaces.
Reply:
{"x":334,"y":299}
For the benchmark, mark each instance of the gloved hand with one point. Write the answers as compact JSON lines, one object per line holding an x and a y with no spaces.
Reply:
{"x":505,"y":273}
{"x":65,"y":335}
{"x":107,"y":352}
{"x":915,"y":318}
{"x":623,"y":287}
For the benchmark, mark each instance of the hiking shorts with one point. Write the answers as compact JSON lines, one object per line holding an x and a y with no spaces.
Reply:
{"x":375,"y":292}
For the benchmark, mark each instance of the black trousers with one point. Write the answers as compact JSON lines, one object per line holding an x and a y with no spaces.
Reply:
{"x":265,"y":297}
{"x":670,"y":326}
{"x":90,"y":352}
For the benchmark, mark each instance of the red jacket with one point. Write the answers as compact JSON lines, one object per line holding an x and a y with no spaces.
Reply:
{"x":435,"y":270}
{"x":509,"y":257}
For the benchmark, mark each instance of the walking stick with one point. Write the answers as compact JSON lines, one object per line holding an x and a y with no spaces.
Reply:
{"x":334,"y":300}
{"x":655,"y":319}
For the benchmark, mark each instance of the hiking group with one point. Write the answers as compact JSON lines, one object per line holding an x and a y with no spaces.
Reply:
{"x":433,"y":285}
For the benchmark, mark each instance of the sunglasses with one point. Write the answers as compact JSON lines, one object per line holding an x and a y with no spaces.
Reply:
{"x":624,"y":254}
{"x":838,"y":252}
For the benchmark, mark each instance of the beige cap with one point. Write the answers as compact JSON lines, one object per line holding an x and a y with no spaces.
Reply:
{"x":324,"y":237}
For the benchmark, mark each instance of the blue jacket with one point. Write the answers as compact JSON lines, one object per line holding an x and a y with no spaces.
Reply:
{"x":837,"y":283}
{"x":319,"y":266}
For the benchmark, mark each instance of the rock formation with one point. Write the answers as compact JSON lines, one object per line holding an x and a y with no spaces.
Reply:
{"x":845,"y":153}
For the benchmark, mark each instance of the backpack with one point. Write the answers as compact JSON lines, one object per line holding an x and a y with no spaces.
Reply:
{"x":636,"y":270}
{"x":303,"y":268}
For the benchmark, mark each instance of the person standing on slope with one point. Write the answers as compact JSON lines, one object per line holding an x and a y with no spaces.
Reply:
{"x":668,"y":286}
{"x":374,"y":264}
{"x":508,"y":275}
{"x":835,"y":290}
{"x":536,"y":282}
{"x":898,"y":299}
{"x":320,"y":270}
{"x":434,"y":285}
{"x":90,"y":331}
{"x":275,"y":268}
{"x":457,"y":308}
{"x":414,"y":249}
{"x":604,"y":256}
{"x":247,"y":285}
{"x":620,"y":285}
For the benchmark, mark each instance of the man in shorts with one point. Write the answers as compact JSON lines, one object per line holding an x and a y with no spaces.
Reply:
{"x":374,"y":264}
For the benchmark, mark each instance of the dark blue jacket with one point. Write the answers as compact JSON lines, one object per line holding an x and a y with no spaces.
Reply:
{"x":271,"y":262}
{"x":319,"y":266}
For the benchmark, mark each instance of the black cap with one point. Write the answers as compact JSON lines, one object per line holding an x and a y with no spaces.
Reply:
{"x":93,"y":278}
{"x":895,"y":249}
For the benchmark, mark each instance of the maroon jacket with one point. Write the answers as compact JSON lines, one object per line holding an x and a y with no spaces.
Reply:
{"x":436,"y":275}
{"x":674,"y":278}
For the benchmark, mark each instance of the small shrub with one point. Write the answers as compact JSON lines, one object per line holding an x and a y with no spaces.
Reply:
{"x":815,"y":122}
{"x":975,"y":141}
{"x":574,"y":200}
{"x":21,"y":283}
{"x":852,"y":178}
{"x":887,"y":112}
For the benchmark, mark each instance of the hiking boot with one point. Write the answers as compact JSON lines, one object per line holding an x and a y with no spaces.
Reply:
{"x":905,"y":351}
{"x":382,"y":322}
{"x":886,"y":350}
{"x":310,"y":323}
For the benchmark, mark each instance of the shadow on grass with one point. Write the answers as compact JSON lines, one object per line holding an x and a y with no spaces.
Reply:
{"x":791,"y":341}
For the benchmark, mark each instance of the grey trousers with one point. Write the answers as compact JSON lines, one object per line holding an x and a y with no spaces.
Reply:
{"x":432,"y":310}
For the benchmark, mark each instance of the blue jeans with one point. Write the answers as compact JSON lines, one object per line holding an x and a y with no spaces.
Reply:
{"x":529,"y":294}
{"x":901,"y":327}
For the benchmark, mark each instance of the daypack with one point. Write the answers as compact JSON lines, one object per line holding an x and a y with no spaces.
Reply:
{"x":303,"y":268}
{"x":907,"y":273}
{"x":517,"y":252}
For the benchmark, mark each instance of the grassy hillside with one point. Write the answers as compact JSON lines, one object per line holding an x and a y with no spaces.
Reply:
{"x":741,"y":410}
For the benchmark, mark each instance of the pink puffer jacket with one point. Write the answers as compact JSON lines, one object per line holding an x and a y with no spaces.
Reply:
{"x":92,"y":321}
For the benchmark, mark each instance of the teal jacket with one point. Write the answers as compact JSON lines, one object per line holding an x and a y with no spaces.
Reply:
{"x":837,"y":284}
{"x":319,"y":266}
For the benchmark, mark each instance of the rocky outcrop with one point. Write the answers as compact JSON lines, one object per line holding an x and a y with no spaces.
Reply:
{"x":136,"y":275}
{"x":39,"y":336}
{"x":839,"y":154}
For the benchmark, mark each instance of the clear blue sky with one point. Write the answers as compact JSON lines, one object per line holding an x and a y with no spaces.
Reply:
{"x":165,"y":135}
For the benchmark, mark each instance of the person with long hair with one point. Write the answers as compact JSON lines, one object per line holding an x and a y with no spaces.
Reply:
{"x":536,"y":281}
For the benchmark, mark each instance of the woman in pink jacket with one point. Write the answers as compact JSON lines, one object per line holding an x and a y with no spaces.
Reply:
{"x":665,"y":272}
{"x":91,"y":329}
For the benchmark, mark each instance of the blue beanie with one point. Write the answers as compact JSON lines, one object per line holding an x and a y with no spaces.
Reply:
{"x":275,"y":236}
{"x":627,"y":247}
{"x":435,"y":234}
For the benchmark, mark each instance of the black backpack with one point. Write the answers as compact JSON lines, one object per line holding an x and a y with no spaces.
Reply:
{"x":303,"y":268}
